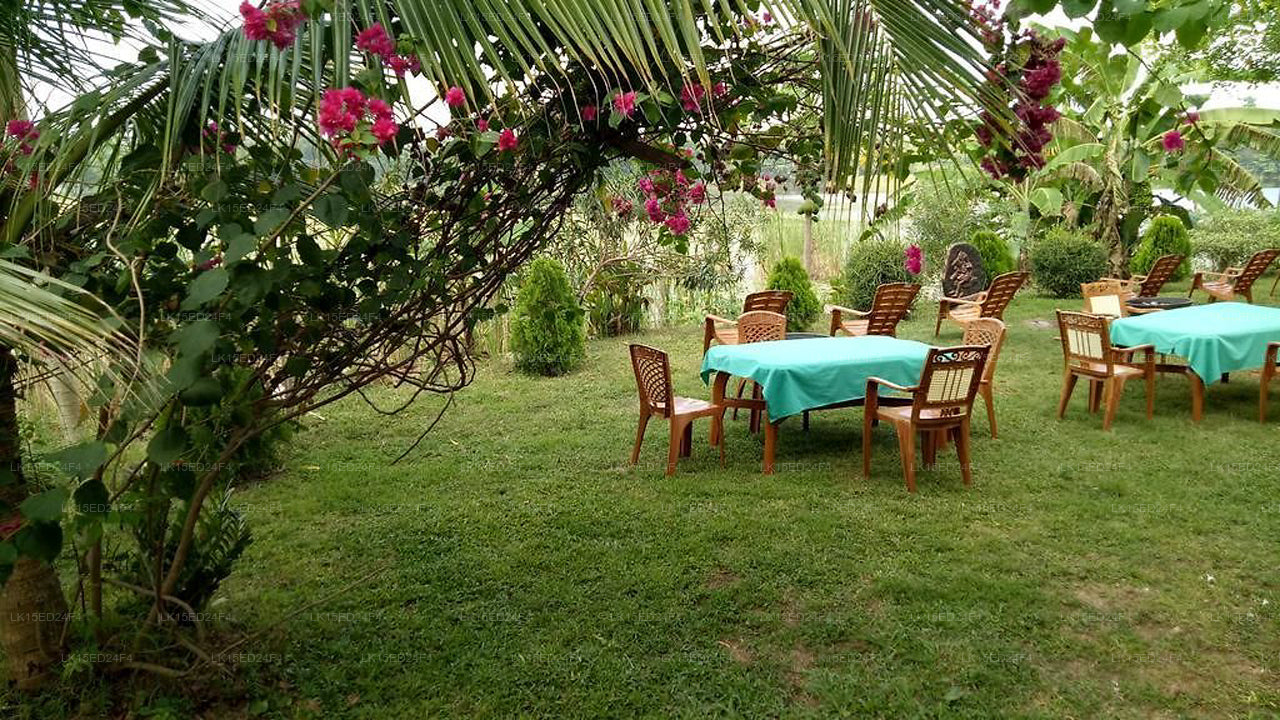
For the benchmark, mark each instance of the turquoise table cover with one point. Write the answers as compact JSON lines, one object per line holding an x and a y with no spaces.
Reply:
{"x":1216,"y":338}
{"x":799,"y":375}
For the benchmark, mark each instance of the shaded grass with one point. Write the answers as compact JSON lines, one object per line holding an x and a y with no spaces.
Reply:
{"x":530,"y":572}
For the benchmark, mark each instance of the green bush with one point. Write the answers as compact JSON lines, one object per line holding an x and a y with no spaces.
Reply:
{"x":1166,"y":236}
{"x":872,"y":262}
{"x":616,"y":304}
{"x":547,"y":334}
{"x":1227,"y":238}
{"x":997,"y":256}
{"x":804,"y":308}
{"x":1061,"y":259}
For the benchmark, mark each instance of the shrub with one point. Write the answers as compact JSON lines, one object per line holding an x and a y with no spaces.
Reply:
{"x":872,"y":262}
{"x":1227,"y":238}
{"x":1166,"y":236}
{"x":804,"y":308}
{"x":997,"y":256}
{"x":547,"y":334}
{"x":1061,"y":259}
{"x":616,"y":304}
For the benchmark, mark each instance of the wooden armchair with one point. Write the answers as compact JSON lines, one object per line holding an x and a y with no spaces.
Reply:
{"x":1268,"y":372}
{"x":1087,"y":353}
{"x":1149,"y":285}
{"x":891,"y":304}
{"x":941,"y":402}
{"x":1105,"y":297}
{"x":653,"y":381}
{"x":1235,"y":281}
{"x":758,"y":326}
{"x":989,"y":303}
{"x":988,"y":332}
{"x":725,"y":331}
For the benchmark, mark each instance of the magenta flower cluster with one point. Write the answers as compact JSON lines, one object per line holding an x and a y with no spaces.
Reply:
{"x":913,"y":259}
{"x":342,"y":110}
{"x":1014,"y":149}
{"x":375,"y":41}
{"x":668,"y":196}
{"x":277,"y":22}
{"x":25,"y":132}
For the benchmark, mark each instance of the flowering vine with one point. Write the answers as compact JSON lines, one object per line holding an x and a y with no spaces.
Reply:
{"x":668,"y":197}
{"x":354,"y":121}
{"x":25,"y":132}
{"x":277,"y":22}
{"x":375,"y":41}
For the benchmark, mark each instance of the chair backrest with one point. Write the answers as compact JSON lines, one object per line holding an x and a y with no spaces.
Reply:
{"x":989,"y":332}
{"x":771,"y":300}
{"x":948,"y":383}
{"x":761,"y":326}
{"x":653,"y":379}
{"x":1086,"y":341}
{"x":1253,"y":269}
{"x":1105,"y":297}
{"x":892,"y":303}
{"x":1001,"y":293}
{"x":1160,"y":272}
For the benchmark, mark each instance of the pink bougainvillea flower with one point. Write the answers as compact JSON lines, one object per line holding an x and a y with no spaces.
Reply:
{"x":385,"y":129}
{"x":625,"y":103}
{"x":698,"y":194}
{"x":443,"y":132}
{"x":913,"y":259}
{"x":720,"y":89}
{"x":622,"y":206}
{"x":645,"y":184}
{"x":379,"y":108}
{"x":1172,"y":141}
{"x":339,"y":112}
{"x":24,"y":130}
{"x":771,"y":200}
{"x":654,"y":209}
{"x":507,"y":140}
{"x":678,"y":224}
{"x":589,"y":113}
{"x":374,"y":40}
{"x":454,"y":97}
{"x":691,"y":97}
{"x":766,"y":18}
{"x":276,"y":22}
{"x":482,"y":125}
{"x":401,"y":64}
{"x":1192,"y":117}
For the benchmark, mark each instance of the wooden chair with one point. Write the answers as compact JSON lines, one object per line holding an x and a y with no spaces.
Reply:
{"x":891,"y":304}
{"x":653,"y":381}
{"x":725,"y":332}
{"x":989,"y":303}
{"x":942,"y":402}
{"x":1268,"y":372}
{"x":758,"y":326}
{"x":1149,"y":285}
{"x":1087,"y":353}
{"x":1235,"y":281}
{"x":988,"y":332}
{"x":1105,"y":297}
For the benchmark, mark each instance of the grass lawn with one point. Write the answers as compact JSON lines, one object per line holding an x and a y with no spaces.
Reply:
{"x":527,"y":571}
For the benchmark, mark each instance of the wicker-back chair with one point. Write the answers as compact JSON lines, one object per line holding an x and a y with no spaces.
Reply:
{"x":1235,"y":281}
{"x":990,"y":303}
{"x":892,"y":303}
{"x":761,"y":326}
{"x":1149,"y":285}
{"x":941,"y":404}
{"x":1105,"y":297}
{"x":989,"y":332}
{"x":652,"y":369}
{"x":725,"y":331}
{"x":1087,"y":353}
{"x":1268,"y":371}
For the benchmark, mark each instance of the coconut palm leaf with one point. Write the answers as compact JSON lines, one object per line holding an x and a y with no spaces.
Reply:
{"x":1236,"y":185}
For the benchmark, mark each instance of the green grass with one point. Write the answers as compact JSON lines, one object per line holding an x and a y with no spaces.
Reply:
{"x":527,"y":571}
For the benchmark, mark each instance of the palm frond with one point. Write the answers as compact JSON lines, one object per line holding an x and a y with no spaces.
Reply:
{"x":1236,"y":185}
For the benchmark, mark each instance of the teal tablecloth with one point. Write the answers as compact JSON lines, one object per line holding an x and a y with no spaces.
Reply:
{"x":1216,"y":338}
{"x":799,"y":375}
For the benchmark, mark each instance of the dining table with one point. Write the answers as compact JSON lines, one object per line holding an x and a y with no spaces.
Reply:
{"x":1214,"y":339}
{"x":796,"y":376}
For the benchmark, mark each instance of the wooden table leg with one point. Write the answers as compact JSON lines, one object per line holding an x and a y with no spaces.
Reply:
{"x":1197,"y":396}
{"x":717,"y":398}
{"x":770,"y":441}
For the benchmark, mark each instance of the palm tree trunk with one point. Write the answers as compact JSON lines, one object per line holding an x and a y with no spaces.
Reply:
{"x":32,"y":606}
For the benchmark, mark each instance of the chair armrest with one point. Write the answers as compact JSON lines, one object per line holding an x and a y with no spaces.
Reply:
{"x":961,"y":301}
{"x":872,"y":381}
{"x":718,"y":319}
{"x":1228,"y":273}
{"x":1128,"y":352}
{"x":1273,"y":353}
{"x":844,"y":310}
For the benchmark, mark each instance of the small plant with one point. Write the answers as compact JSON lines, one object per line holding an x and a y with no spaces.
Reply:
{"x":997,"y":256}
{"x":1062,"y":259}
{"x":873,"y":261}
{"x":547,"y":334}
{"x":1166,"y":236}
{"x":804,"y":308}
{"x":616,"y":304}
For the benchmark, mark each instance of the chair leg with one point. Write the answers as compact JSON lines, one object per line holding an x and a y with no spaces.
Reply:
{"x":907,"y":448}
{"x":987,"y":397}
{"x":673,"y":446}
{"x":1264,"y":390}
{"x":635,"y":452}
{"x":686,"y":441}
{"x":1096,"y":391}
{"x":1113,"y":388}
{"x":868,"y":422}
{"x":805,"y":421}
{"x":962,"y":452}
{"x":929,"y":439}
{"x":742,"y":384}
{"x":1195,"y":283}
{"x":1068,"y":384}
{"x":1151,"y":395}
{"x":717,"y":429}
{"x":942,"y":310}
{"x":1274,"y":283}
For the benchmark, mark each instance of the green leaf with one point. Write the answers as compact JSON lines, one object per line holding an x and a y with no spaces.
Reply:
{"x":80,"y":461}
{"x":1168,"y":95}
{"x":92,"y":498}
{"x":8,"y":553}
{"x":207,"y":286}
{"x":45,"y":507}
{"x":167,"y":445}
{"x":214,"y":191}
{"x":287,"y":194}
{"x":1048,"y":200}
{"x":1078,"y":8}
{"x":331,"y":210}
{"x":1191,"y":33}
{"x":269,"y":221}
{"x":1075,"y":153}
{"x":240,"y":246}
{"x":204,"y":391}
{"x":196,"y":338}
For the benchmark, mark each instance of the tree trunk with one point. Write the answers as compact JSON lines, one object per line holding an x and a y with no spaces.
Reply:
{"x":808,"y":243}
{"x":32,"y":606}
